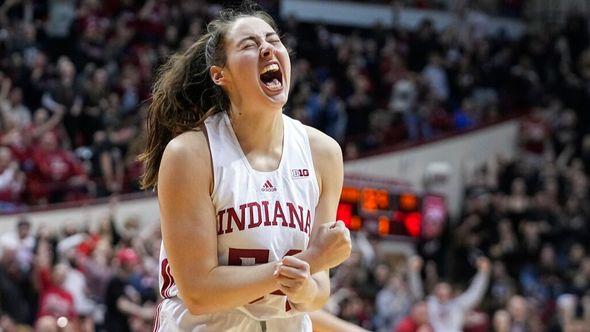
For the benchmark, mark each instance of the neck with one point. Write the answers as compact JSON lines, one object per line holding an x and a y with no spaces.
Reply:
{"x":257,"y":131}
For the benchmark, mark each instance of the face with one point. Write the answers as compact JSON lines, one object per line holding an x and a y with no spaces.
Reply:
{"x":257,"y":71}
{"x":40,"y":116}
{"x":501,"y":321}
{"x":59,"y":273}
{"x":5,"y":157}
{"x":517,"y":308}
{"x":420,"y":313}
{"x":24,"y":230}
{"x":48,"y":142}
{"x":16,"y":96}
{"x":443,"y":292}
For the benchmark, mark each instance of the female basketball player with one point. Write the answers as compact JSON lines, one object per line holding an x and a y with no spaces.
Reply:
{"x":247,"y":195}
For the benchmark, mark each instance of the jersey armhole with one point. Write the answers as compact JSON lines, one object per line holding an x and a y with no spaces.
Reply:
{"x":313,"y":169}
{"x":213,"y":185}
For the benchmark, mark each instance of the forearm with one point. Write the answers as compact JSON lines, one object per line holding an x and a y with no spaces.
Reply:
{"x":134,"y":309}
{"x":321,"y":284}
{"x":314,"y":259}
{"x":476,"y":290}
{"x":324,"y":322}
{"x":50,"y":103}
{"x":227,"y":287}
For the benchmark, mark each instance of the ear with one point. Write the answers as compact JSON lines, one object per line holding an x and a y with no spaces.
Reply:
{"x":217,"y":75}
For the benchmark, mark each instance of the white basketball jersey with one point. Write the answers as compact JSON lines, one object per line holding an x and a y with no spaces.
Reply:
{"x":261,"y":217}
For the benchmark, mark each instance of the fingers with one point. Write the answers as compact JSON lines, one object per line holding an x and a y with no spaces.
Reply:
{"x":295,"y":263}
{"x":291,"y":273}
{"x":288,"y":291}
{"x":289,"y":284}
{"x":483,"y":263}
{"x":336,"y":224}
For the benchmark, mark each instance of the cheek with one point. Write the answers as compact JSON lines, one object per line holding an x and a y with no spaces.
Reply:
{"x":243,"y":68}
{"x":286,"y":60}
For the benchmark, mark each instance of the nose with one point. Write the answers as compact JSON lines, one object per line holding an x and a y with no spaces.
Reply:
{"x":267,"y":51}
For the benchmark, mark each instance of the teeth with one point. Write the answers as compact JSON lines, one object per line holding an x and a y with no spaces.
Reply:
{"x":274,"y":85}
{"x":271,"y":67}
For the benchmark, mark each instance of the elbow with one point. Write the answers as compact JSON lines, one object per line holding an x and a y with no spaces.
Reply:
{"x":319,"y":305}
{"x":195,"y":309}
{"x":320,"y":301}
{"x":198,"y":307}
{"x":199,"y":303}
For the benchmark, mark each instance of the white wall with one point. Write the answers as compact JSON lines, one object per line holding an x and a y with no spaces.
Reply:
{"x":367,"y":15}
{"x":144,"y":208}
{"x":460,"y":153}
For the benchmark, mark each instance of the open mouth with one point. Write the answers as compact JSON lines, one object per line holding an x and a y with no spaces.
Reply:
{"x":272,"y":77}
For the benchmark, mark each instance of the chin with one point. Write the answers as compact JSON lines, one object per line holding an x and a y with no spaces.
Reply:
{"x":277,"y":101}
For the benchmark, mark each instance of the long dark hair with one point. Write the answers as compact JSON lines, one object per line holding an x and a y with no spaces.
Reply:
{"x":184,"y":95}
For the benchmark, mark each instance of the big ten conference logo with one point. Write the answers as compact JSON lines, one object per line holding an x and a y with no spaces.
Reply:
{"x":300,"y":173}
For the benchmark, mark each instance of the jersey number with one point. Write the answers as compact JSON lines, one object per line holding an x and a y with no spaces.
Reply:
{"x":241,"y":257}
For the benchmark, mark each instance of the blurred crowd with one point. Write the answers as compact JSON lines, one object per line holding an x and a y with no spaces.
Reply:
{"x":74,"y":76}
{"x":516,"y":260}
{"x":509,"y":8}
{"x":528,"y":215}
{"x":75,"y":79}
{"x":98,"y":276}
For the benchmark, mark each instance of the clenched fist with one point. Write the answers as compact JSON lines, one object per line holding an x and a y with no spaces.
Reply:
{"x":331,"y":244}
{"x":295,"y":281}
{"x":483,"y":264}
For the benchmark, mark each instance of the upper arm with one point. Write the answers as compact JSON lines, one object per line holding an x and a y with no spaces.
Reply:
{"x":329,"y":169}
{"x":328,"y":164}
{"x":187,"y":213}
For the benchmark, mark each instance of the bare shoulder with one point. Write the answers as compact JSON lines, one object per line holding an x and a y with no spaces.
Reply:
{"x":187,"y":145}
{"x":327,"y":159}
{"x":323,"y":147}
{"x":187,"y":155}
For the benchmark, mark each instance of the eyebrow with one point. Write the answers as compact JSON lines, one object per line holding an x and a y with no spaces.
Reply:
{"x":254,"y":38}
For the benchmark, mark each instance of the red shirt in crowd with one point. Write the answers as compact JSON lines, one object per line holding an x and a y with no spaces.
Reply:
{"x":54,"y":300}
{"x":407,"y":325}
{"x":57,"y":165}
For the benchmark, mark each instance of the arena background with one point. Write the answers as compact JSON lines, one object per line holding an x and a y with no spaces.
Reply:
{"x":464,"y":126}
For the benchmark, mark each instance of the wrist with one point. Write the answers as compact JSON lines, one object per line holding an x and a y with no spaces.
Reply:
{"x":313,"y":258}
{"x":308,"y":295}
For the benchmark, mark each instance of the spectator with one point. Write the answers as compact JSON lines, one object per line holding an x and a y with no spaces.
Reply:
{"x":11,"y":105}
{"x":436,"y":77}
{"x":58,"y":173}
{"x":14,"y":283}
{"x":12,"y":180}
{"x":21,"y":242}
{"x":518,"y":308}
{"x":447,"y":313}
{"x":326,"y":109}
{"x":392,"y":303}
{"x":122,"y":300}
{"x":501,"y":321}
{"x":502,"y":286}
{"x":61,"y":15}
{"x":417,"y":318}
{"x":54,"y":300}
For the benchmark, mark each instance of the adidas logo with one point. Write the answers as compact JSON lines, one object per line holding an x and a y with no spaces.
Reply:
{"x":268,"y":187}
